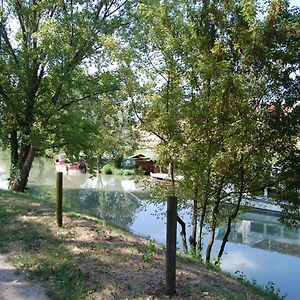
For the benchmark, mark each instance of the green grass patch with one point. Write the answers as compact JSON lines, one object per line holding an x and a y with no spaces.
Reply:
{"x":68,"y":282}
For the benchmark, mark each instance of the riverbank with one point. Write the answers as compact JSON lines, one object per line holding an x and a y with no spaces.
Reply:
{"x":88,"y":259}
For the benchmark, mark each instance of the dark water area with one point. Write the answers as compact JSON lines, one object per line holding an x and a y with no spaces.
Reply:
{"x":259,"y":247}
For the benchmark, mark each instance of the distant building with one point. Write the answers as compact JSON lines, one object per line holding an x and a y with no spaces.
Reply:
{"x":145,"y":161}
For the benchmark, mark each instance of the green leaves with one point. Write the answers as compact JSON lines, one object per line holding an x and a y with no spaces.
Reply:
{"x":49,"y":97}
{"x":212,"y":70}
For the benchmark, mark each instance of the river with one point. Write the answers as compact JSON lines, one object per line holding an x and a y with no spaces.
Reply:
{"x":260,"y":248}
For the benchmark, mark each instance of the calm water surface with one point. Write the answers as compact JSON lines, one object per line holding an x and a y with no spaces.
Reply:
{"x":259,"y":247}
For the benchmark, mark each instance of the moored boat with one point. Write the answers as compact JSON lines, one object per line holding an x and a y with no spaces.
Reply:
{"x":63,"y":164}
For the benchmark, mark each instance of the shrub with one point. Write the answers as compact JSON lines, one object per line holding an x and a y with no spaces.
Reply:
{"x":128,"y":172}
{"x":148,"y":255}
{"x":108,"y":169}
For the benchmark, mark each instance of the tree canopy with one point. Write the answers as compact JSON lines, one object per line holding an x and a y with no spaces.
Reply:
{"x":220,"y":91}
{"x":46,"y":82}
{"x":216,"y":81}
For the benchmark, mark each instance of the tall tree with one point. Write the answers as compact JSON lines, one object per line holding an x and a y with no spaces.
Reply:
{"x":227,"y":75}
{"x":282,"y":61}
{"x":46,"y":49}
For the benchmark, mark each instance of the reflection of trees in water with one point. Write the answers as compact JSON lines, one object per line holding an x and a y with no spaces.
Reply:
{"x":42,"y":172}
{"x":114,"y":207}
{"x":40,"y":166}
{"x":4,"y":169}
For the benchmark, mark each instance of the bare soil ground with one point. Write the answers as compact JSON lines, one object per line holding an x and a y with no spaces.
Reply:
{"x":111,"y":261}
{"x":15,"y":286}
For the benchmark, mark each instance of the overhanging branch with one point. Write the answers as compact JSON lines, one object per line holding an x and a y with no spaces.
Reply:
{"x":85,"y":97}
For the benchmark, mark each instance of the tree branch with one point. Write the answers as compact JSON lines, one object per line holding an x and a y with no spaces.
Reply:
{"x":106,"y":15}
{"x":22,"y":23}
{"x":143,"y":122}
{"x":85,"y":97}
{"x":10,"y":48}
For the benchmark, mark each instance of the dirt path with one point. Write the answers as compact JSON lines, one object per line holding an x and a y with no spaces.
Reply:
{"x":14,"y":285}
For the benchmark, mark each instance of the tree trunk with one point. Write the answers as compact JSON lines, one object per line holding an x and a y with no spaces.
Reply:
{"x":192,"y":238}
{"x":204,"y":207}
{"x":20,"y":167}
{"x":225,"y":239}
{"x":201,"y":223}
{"x":214,"y":223}
{"x":183,"y":235}
{"x":211,"y":241}
{"x":232,"y":216}
{"x":14,"y":146}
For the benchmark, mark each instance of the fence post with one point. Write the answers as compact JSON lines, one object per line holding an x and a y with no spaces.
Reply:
{"x":59,"y":197}
{"x":171,"y":245}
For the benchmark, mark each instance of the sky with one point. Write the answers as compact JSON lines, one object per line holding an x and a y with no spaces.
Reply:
{"x":295,"y":3}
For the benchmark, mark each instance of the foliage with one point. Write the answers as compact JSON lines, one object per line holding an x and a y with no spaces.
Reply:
{"x":108,"y":169}
{"x":287,"y":182}
{"x":212,"y":73}
{"x":127,"y":172}
{"x":269,"y":290}
{"x":216,"y":82}
{"x":111,"y":169}
{"x":148,"y":255}
{"x":50,"y":98}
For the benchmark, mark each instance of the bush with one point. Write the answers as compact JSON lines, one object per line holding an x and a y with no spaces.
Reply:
{"x":128,"y":172}
{"x":108,"y":169}
{"x":148,"y":255}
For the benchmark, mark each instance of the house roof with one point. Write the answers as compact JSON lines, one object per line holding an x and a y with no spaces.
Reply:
{"x":138,"y":156}
{"x":144,"y":153}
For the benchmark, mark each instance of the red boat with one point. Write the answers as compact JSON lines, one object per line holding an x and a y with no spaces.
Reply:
{"x":63,"y":164}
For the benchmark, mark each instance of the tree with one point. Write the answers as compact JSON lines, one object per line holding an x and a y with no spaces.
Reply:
{"x":247,"y":72}
{"x":46,"y":50}
{"x":279,"y":64}
{"x":217,"y":68}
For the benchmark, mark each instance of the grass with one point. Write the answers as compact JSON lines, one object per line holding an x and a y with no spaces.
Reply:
{"x":88,"y":259}
{"x":56,"y":265}
{"x":44,"y":256}
{"x":269,"y":290}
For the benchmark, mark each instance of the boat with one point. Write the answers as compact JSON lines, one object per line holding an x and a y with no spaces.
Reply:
{"x":165,"y":176}
{"x":63,"y":164}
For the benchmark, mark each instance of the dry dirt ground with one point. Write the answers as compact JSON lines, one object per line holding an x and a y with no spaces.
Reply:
{"x":112,"y":261}
{"x":15,"y":286}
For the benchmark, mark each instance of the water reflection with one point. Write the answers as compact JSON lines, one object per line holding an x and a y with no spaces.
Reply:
{"x":264,"y":231}
{"x":114,"y":207}
{"x":105,"y":196}
{"x":4,"y":170}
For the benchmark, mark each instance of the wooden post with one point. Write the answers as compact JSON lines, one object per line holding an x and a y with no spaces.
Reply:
{"x":171,"y":245}
{"x":59,"y":197}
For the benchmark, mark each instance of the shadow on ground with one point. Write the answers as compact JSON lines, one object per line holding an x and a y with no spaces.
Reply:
{"x":88,"y":258}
